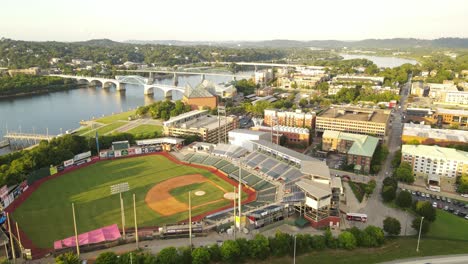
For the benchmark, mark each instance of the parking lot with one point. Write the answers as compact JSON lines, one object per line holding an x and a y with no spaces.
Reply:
{"x":456,"y":207}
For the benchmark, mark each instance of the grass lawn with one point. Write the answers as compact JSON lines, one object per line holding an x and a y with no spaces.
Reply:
{"x":212,"y":193}
{"x":398,"y":248}
{"x":116,"y":117}
{"x":83,"y":130}
{"x":104,"y":129}
{"x":46,"y":215}
{"x":358,"y":190}
{"x":145,"y":129}
{"x":448,"y":226}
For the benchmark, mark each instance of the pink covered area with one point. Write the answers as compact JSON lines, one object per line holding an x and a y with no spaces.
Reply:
{"x":108,"y":233}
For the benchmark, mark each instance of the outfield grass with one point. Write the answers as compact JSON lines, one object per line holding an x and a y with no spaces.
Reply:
{"x":399,"y":248}
{"x":145,"y":129}
{"x":46,"y":215}
{"x":448,"y":226}
{"x":116,"y":117}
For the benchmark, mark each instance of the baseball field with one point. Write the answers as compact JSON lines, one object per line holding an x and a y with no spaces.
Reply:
{"x":161,"y":187}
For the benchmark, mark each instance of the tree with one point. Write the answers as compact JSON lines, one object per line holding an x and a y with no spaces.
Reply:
{"x":417,"y":223}
{"x":230,"y":251}
{"x":347,"y":240}
{"x":215,"y":253}
{"x":330,"y":240}
{"x":369,"y":187}
{"x":107,"y":258}
{"x":373,"y":236}
{"x":318,"y":242}
{"x":404,"y":199}
{"x":168,"y":255}
{"x":404,"y":173}
{"x":67,"y":258}
{"x":259,"y":247}
{"x":200,"y":255}
{"x":184,"y":255}
{"x":244,"y":248}
{"x":396,"y":159}
{"x":388,"y":193}
{"x":392,"y":226}
{"x":424,"y":208}
{"x":303,"y":102}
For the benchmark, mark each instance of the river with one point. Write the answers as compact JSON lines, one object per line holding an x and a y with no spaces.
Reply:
{"x":380,"y":61}
{"x":61,"y":111}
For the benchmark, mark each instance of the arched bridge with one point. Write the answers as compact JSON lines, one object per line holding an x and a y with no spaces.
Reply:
{"x":120,"y":80}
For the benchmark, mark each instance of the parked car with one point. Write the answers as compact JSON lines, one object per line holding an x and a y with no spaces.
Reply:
{"x":449,"y":200}
{"x":418,"y":193}
{"x":464,"y":195}
{"x":413,"y":192}
{"x":446,"y":208}
{"x":466,"y":217}
{"x":443,"y":198}
{"x":451,"y":210}
{"x":456,"y":212}
{"x":438,"y":198}
{"x":440,"y":206}
{"x":434,"y":204}
{"x":461,"y":214}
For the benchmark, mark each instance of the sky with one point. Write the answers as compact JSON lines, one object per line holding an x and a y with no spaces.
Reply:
{"x":218,"y":20}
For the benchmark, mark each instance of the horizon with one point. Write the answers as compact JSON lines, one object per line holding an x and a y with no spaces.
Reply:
{"x":207,"y":20}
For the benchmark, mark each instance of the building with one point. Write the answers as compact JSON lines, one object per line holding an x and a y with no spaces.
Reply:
{"x":244,"y":137}
{"x":263,"y":77}
{"x":426,"y":135}
{"x":455,"y":98}
{"x":209,"y":128}
{"x":436,"y":90}
{"x":30,"y":71}
{"x":223,"y":90}
{"x":359,"y":79}
{"x":289,"y":118}
{"x":293,"y":135}
{"x":418,"y":89}
{"x":359,"y":149}
{"x":300,"y":81}
{"x":435,"y":162}
{"x":354,"y":120}
{"x":199,"y":97}
{"x":81,"y":62}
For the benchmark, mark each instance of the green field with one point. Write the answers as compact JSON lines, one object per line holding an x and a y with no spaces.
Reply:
{"x":116,"y":117}
{"x":145,"y":129}
{"x":212,"y":193}
{"x":448,"y":226}
{"x":46,"y":215}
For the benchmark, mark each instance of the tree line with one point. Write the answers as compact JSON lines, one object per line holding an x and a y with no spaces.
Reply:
{"x":242,"y":250}
{"x":24,"y":84}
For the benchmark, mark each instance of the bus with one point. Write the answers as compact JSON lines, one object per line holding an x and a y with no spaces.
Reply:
{"x":356,"y":217}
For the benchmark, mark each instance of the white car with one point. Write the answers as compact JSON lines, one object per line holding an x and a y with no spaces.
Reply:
{"x":464,"y":195}
{"x":434,"y":204}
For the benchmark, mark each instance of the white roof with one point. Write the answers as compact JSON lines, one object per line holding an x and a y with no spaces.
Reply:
{"x":318,"y":190}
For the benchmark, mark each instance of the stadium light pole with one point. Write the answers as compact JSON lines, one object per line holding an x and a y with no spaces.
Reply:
{"x":294,"y":259}
{"x":419,"y":237}
{"x":190,"y":219}
{"x":136,"y":225}
{"x":76,"y":232}
{"x":11,"y":239}
{"x":123,"y":215}
{"x":234,"y":229}
{"x":19,"y":236}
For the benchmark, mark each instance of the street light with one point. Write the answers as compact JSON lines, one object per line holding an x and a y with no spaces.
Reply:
{"x":294,"y":258}
{"x":419,"y":237}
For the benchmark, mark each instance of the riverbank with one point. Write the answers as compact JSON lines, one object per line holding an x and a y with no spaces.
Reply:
{"x":46,"y":90}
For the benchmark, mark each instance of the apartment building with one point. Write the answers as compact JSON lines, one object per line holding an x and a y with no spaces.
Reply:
{"x":426,"y":135}
{"x":293,"y":135}
{"x":435,"y":162}
{"x":353,"y":120}
{"x":455,"y":98}
{"x":359,"y":149}
{"x":289,"y":118}
{"x":210,"y":128}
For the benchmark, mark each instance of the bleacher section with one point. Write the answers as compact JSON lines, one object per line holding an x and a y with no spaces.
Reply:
{"x":221,"y":164}
{"x":188,"y":156}
{"x":211,"y":160}
{"x":226,"y":150}
{"x":198,"y":158}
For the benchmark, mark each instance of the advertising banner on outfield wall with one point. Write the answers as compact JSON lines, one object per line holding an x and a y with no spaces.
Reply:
{"x":3,"y":192}
{"x":137,"y":151}
{"x":117,"y":154}
{"x":110,"y":154}
{"x":82,"y":156}
{"x":68,"y":163}
{"x":103,"y":154}
{"x":131,"y":151}
{"x":124,"y":152}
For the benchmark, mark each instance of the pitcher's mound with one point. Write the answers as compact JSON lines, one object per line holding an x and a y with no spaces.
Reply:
{"x":200,"y":193}
{"x":230,"y":196}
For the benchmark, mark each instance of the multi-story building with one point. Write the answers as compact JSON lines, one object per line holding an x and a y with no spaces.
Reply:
{"x":359,"y":79}
{"x":300,"y":80}
{"x":293,"y":135}
{"x":450,"y":117}
{"x":210,"y":128}
{"x":359,"y":149}
{"x":199,"y":97}
{"x":426,"y":135}
{"x":289,"y":118}
{"x":30,"y":71}
{"x":353,"y":120}
{"x":435,"y":162}
{"x":455,"y":98}
{"x":263,"y":77}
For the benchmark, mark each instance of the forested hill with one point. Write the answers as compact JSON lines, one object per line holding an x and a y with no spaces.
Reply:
{"x":367,"y":43}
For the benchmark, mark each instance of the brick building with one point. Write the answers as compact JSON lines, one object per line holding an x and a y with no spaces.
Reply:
{"x":289,"y":118}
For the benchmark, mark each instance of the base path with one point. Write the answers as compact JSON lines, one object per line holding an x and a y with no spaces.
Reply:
{"x":160,"y":200}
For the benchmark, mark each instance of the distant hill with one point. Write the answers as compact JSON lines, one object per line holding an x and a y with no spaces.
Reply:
{"x":285,"y":43}
{"x":100,"y":42}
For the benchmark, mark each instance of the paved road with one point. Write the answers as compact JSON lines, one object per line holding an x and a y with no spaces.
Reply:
{"x":452,"y":259}
{"x":373,"y":206}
